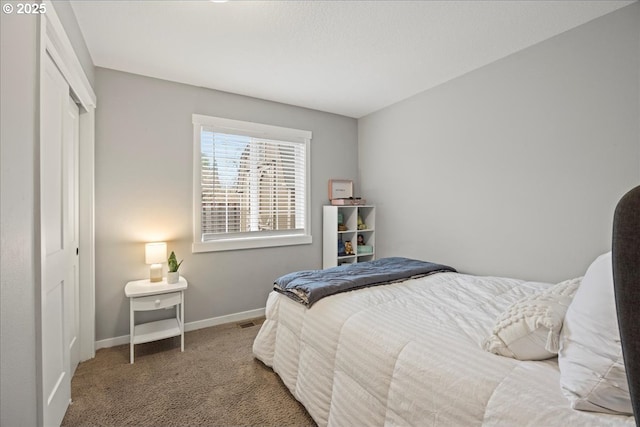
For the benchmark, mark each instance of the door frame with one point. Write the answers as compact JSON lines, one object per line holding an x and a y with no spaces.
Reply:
{"x":55,"y":43}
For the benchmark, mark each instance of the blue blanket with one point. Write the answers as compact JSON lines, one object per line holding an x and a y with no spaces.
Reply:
{"x":307,"y":287}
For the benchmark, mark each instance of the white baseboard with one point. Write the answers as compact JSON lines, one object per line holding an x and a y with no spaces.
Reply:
{"x":229,"y":318}
{"x":191,"y":326}
{"x":112,"y":342}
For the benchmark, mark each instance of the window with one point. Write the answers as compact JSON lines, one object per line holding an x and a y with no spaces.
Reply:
{"x":251,"y":185}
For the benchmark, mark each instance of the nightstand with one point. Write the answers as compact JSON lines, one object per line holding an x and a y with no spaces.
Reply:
{"x":145,"y":295}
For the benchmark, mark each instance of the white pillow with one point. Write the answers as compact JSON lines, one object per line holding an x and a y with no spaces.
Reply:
{"x":530,"y":328}
{"x":592,"y":372}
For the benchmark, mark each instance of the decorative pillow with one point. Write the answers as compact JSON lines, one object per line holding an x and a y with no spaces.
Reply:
{"x":530,"y":328}
{"x":592,"y":372}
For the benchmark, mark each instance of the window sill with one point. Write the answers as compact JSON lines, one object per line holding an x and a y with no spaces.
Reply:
{"x":250,"y":243}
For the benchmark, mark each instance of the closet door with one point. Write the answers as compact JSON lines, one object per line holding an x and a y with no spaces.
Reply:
{"x":72,"y":292}
{"x":55,"y":244}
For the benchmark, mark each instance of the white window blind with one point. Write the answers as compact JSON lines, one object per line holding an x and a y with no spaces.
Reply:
{"x":250,"y":186}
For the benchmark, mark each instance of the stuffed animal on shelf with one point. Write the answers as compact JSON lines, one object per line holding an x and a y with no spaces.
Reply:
{"x":348,"y":248}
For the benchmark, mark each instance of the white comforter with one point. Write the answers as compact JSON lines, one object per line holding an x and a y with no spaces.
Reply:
{"x":409,"y":354}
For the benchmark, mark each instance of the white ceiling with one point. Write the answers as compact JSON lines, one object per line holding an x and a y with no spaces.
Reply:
{"x":345,"y":57}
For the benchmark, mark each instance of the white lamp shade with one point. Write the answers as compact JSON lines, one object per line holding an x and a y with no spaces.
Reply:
{"x":155,"y":253}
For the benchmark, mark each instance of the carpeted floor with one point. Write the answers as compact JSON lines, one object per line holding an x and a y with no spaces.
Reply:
{"x":215,"y":382}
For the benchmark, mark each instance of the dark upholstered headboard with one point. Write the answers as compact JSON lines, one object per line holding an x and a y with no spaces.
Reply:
{"x":626,"y":278}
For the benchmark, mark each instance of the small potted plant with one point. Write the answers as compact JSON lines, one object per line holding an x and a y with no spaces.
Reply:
{"x":174,"y":265}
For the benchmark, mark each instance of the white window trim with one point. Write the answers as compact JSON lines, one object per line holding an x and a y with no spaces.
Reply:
{"x":257,"y":130}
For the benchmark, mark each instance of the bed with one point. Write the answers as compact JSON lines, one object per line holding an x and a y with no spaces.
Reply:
{"x":414,"y":352}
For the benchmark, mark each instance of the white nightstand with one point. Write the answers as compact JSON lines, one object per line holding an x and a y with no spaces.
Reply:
{"x":144,"y":296}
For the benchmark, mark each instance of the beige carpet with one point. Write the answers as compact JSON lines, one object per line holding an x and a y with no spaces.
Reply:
{"x":215,"y":382}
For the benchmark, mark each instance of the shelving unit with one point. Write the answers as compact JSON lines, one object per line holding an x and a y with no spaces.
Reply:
{"x":332,"y":217}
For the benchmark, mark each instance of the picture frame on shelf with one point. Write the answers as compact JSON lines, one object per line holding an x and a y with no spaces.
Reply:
{"x":340,"y":189}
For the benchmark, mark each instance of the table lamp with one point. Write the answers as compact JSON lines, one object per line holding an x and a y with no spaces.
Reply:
{"x":155,"y":254}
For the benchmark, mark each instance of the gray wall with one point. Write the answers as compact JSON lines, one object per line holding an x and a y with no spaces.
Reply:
{"x":513,"y":169}
{"x":18,"y":120}
{"x":144,"y":149}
